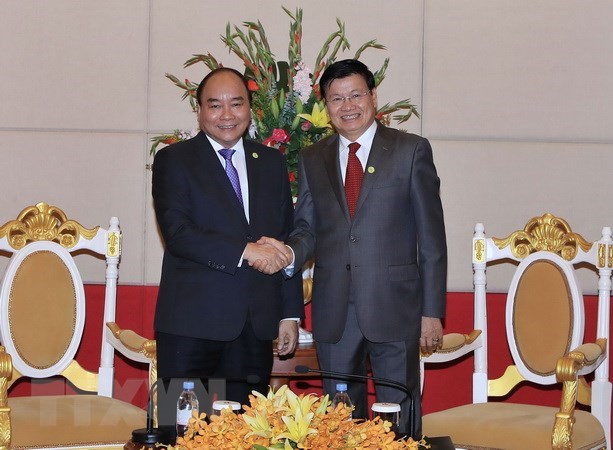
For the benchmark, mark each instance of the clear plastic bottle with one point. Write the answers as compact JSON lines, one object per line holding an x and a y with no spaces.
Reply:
{"x":186,"y":405}
{"x":342,"y":396}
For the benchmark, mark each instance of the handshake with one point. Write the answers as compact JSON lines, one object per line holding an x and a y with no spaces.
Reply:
{"x":268,"y":255}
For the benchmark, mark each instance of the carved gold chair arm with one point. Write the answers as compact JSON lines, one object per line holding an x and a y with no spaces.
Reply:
{"x":567,"y":370}
{"x":590,"y":352}
{"x":453,"y":342}
{"x":135,"y":343}
{"x":6,"y":371}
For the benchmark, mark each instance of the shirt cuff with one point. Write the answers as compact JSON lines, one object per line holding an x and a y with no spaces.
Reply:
{"x":296,"y":319}
{"x":289,"y":269}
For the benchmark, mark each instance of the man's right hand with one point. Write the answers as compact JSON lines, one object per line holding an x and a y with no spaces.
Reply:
{"x":266,"y":257}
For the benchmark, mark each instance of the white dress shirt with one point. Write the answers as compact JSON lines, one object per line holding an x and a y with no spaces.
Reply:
{"x":363,"y":152}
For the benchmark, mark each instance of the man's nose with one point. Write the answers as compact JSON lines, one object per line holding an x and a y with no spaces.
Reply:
{"x":226,"y":112}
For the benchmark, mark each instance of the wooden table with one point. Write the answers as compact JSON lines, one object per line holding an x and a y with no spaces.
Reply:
{"x":283,"y":367}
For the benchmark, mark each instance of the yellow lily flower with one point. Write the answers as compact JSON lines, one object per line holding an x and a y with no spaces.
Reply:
{"x":318,"y":117}
{"x":298,"y":427}
{"x":325,"y":402}
{"x":303,"y":404}
{"x":259,"y":424}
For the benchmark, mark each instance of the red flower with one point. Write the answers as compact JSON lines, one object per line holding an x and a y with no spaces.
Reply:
{"x":170,"y":140}
{"x":269,"y":142}
{"x":292,"y":177}
{"x":252,"y":85}
{"x":280,"y":135}
{"x":305,"y":125}
{"x":282,"y":149}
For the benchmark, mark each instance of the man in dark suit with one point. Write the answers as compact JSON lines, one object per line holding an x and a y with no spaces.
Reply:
{"x":215,"y":195}
{"x":371,"y":216}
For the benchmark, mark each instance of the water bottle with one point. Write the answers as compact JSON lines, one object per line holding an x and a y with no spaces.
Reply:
{"x":342,"y":396}
{"x":186,"y":405}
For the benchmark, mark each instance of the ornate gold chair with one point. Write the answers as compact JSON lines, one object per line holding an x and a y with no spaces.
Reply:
{"x":544,"y":329}
{"x":42,"y":318}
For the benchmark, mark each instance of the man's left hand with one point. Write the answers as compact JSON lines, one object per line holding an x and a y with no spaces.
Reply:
{"x":288,"y":337}
{"x":431,"y":335}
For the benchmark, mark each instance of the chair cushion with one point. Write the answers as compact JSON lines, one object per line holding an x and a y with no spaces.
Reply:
{"x":72,"y":420}
{"x":509,"y":426}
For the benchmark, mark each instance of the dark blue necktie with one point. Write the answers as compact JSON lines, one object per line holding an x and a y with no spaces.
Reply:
{"x":231,"y":172}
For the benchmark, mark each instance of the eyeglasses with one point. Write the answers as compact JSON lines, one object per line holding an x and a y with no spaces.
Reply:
{"x":353,"y":98}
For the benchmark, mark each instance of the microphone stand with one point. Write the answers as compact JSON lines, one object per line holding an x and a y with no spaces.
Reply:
{"x":150,"y":436}
{"x":167,"y":434}
{"x":384,"y":381}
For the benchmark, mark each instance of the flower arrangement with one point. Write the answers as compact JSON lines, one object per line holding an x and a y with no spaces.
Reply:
{"x":288,"y":112}
{"x":284,"y":420}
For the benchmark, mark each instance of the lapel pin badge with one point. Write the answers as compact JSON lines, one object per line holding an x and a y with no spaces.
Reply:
{"x":371,"y":169}
{"x":255,"y":155}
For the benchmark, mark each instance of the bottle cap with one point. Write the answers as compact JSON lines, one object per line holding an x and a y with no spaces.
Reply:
{"x":218,"y":405}
{"x":386,"y":407}
{"x":188,"y":385}
{"x":341,"y":387}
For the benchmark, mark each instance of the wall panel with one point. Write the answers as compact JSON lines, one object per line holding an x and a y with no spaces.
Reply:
{"x":518,"y":70}
{"x":91,"y":176}
{"x":69,"y":64}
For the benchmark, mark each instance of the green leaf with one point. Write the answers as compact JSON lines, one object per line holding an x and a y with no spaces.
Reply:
{"x":295,"y":122}
{"x":281,"y":99}
{"x":275,"y":109}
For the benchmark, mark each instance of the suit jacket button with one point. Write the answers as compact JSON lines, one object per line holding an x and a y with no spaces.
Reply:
{"x":348,"y":267}
{"x":250,"y":237}
{"x":222,"y":267}
{"x":352,"y":238}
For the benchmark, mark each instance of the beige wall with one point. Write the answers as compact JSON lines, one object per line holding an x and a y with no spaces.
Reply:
{"x":516,"y":98}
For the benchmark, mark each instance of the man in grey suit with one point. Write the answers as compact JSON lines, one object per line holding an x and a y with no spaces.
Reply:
{"x":371,"y":216}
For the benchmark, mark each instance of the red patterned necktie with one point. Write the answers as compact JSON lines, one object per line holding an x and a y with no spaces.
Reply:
{"x":353,"y":178}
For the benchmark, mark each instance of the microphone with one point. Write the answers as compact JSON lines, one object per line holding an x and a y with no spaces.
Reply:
{"x":385,"y":381}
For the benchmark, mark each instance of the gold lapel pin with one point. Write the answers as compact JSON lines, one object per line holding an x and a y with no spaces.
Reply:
{"x":371,"y":169}
{"x":255,"y":155}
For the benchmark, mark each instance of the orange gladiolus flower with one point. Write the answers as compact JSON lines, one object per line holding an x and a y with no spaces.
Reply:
{"x":252,"y":86}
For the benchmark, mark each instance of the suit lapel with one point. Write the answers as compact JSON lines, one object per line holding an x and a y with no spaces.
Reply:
{"x":378,"y":160}
{"x":213,"y":167}
{"x":330,"y":156}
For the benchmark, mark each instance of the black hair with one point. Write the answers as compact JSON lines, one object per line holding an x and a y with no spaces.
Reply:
{"x":216,"y":71}
{"x":345,"y":68}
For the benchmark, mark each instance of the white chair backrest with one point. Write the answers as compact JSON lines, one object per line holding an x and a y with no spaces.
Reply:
{"x":42,"y":298}
{"x":544,"y":315}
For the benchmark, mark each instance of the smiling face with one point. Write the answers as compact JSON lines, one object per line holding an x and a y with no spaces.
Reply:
{"x":224,"y":112}
{"x":354,"y":112}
